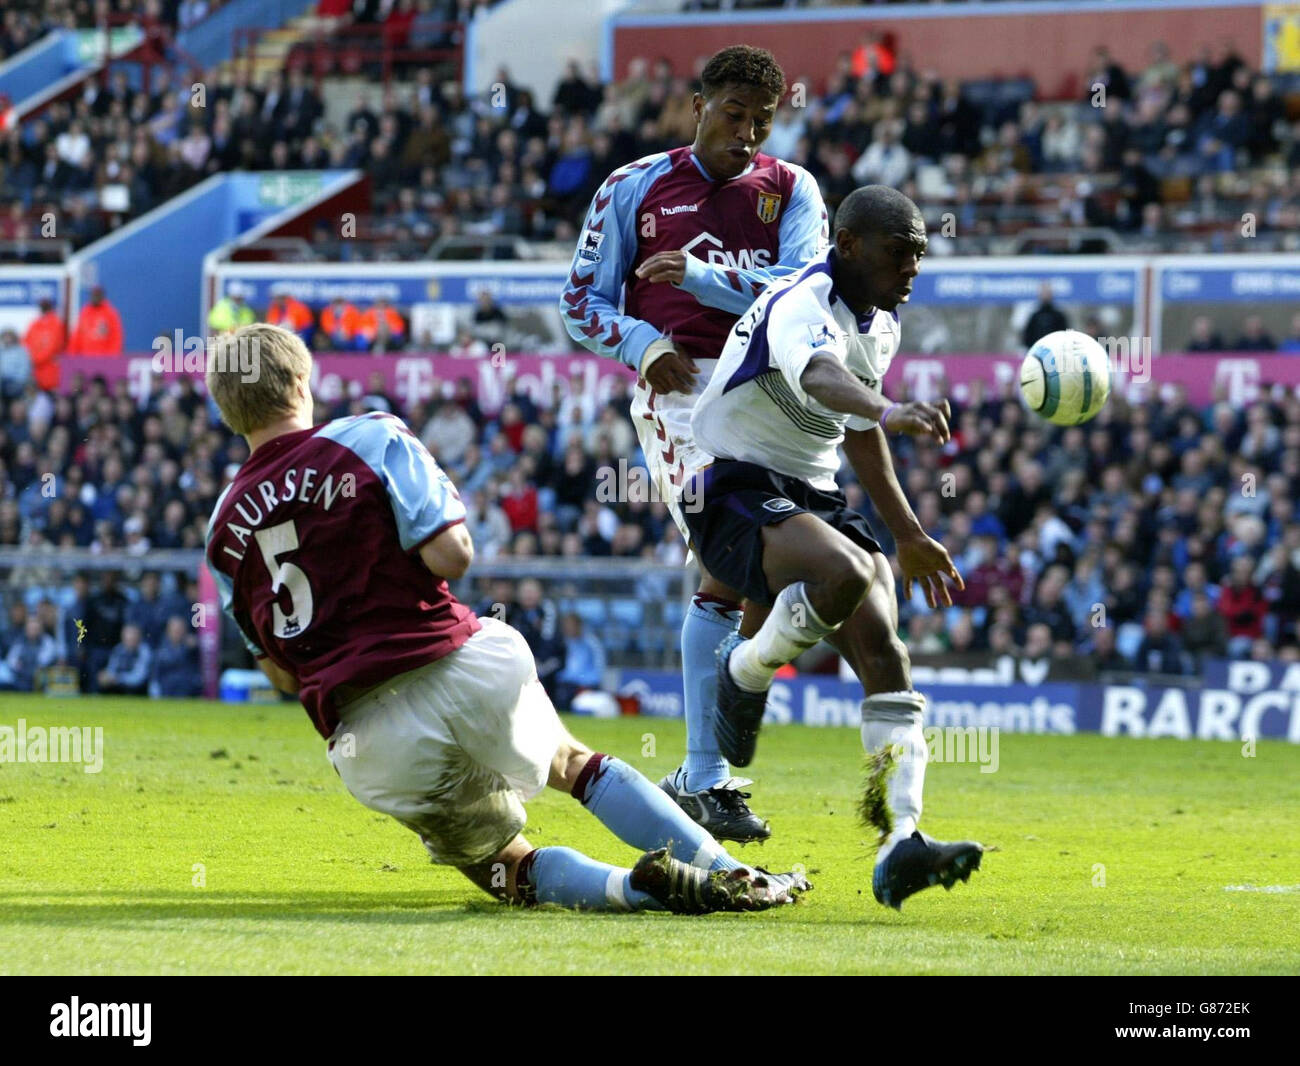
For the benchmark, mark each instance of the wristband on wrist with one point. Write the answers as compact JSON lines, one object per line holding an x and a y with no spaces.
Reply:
{"x":884,"y":419}
{"x":656,"y":348}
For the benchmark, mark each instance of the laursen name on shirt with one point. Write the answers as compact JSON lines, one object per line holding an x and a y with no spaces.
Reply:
{"x":307,"y":485}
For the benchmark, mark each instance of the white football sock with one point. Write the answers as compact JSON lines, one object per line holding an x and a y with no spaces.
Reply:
{"x":895,"y":718}
{"x":791,"y":629}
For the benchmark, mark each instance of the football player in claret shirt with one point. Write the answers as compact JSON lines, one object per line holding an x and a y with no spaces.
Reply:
{"x":332,"y":547}
{"x":675,"y":246}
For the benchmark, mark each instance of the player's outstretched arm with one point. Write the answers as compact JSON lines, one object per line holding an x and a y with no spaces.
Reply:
{"x":714,"y":285}
{"x":827,"y":381}
{"x":920,"y":556}
{"x":450,"y":553}
{"x":804,"y":233}
{"x":867,"y":451}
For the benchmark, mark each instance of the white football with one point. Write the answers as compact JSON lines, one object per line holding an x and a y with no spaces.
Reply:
{"x":1065,"y":378}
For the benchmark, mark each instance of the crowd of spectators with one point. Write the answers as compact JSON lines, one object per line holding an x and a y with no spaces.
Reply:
{"x":343,"y":327}
{"x":1251,"y":336}
{"x":1170,"y":159}
{"x":101,"y":635}
{"x":141,"y":135}
{"x":1151,"y":538}
{"x":1167,"y":161}
{"x":25,"y":22}
{"x":1148,"y":539}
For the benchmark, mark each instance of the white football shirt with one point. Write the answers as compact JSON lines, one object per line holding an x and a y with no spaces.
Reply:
{"x":754,"y":408}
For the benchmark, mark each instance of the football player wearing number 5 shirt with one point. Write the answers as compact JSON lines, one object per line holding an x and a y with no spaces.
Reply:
{"x":332,"y":548}
{"x":675,"y":247}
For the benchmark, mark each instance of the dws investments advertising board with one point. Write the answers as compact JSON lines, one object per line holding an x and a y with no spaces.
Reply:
{"x":1236,"y":701}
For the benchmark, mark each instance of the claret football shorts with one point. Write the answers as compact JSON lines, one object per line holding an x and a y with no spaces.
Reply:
{"x":453,"y":749}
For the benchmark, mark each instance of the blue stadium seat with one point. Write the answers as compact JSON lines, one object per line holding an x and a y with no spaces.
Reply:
{"x":623,"y":628}
{"x":627,"y":613}
{"x":590,"y":610}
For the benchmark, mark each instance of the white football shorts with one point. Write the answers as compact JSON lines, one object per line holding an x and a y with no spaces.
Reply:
{"x":453,"y":749}
{"x":663,"y":424}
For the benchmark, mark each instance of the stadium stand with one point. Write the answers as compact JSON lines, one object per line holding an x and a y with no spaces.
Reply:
{"x":1170,"y":163}
{"x":1051,"y":523}
{"x":1048,"y":524}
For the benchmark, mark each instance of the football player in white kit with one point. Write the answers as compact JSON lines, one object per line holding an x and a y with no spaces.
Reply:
{"x":800,"y":375}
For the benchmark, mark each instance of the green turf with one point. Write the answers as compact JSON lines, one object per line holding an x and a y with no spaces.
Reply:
{"x":97,"y":871}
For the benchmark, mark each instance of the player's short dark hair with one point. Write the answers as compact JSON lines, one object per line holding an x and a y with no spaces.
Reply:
{"x":876,"y":209}
{"x":743,"y":64}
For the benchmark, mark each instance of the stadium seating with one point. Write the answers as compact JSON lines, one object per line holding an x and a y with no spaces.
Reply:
{"x":139,"y":478}
{"x":489,"y":172}
{"x":150,"y":477}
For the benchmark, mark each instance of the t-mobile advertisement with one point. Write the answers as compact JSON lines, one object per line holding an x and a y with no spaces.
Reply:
{"x":1237,"y":379}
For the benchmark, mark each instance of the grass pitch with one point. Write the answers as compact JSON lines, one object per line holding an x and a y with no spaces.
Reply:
{"x":218,"y":839}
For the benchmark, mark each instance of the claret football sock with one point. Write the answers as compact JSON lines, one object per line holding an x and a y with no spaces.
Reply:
{"x":708,"y":621}
{"x":894,"y":718}
{"x":638,"y":813}
{"x":571,"y":879}
{"x":791,"y":629}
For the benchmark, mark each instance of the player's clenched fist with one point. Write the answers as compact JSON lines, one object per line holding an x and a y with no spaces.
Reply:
{"x":664,"y":266}
{"x":666,"y":369}
{"x":919,"y":420}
